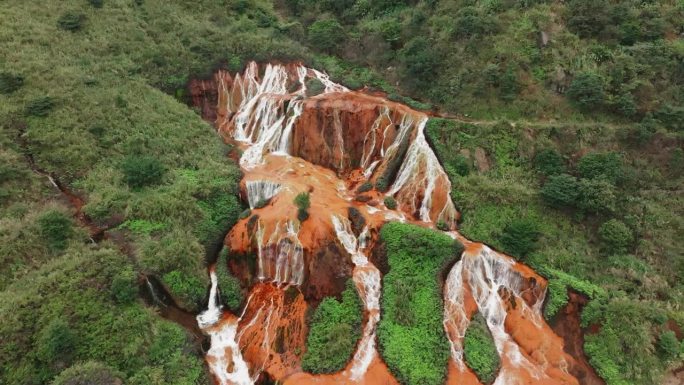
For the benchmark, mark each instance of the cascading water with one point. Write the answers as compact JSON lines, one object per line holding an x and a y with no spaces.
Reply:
{"x":260,"y":190}
{"x":367,"y":280}
{"x":265,"y":115}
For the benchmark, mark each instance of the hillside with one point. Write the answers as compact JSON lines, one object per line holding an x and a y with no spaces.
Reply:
{"x":557,"y":136}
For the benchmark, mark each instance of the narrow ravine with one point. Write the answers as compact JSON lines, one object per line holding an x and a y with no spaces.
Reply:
{"x":329,"y":145}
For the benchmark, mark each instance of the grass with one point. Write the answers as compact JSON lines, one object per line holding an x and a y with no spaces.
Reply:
{"x":410,"y":332}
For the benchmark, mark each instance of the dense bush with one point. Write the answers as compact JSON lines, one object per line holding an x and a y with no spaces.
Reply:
{"x":419,"y":61}
{"x":326,"y":34}
{"x":125,"y":286}
{"x":560,"y":190}
{"x":142,"y":171}
{"x":606,"y":165}
{"x":669,"y":346}
{"x":596,"y":196}
{"x":96,"y":3}
{"x":56,"y":342}
{"x":56,"y":228}
{"x":365,"y":187}
{"x":71,"y":21}
{"x":479,"y":350}
{"x":334,"y":331}
{"x":10,"y":82}
{"x":89,"y":373}
{"x":616,"y":237}
{"x":520,"y":237}
{"x":549,"y":162}
{"x":587,"y":91}
{"x":411,"y":335}
{"x":229,"y":285}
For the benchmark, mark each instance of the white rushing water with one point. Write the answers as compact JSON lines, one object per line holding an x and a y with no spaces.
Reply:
{"x":260,"y":190}
{"x":224,"y":352}
{"x":367,"y":280}
{"x":280,"y":255}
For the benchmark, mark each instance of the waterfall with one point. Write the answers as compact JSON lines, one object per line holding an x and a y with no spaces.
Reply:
{"x":456,"y":320}
{"x":260,"y":190}
{"x":230,"y":370}
{"x":281,"y":257}
{"x":421,"y":170}
{"x":367,"y":280}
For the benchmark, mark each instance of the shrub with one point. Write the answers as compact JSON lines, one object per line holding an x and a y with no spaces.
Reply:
{"x":142,"y":171}
{"x":596,"y":196}
{"x":520,"y":237}
{"x":390,"y":203}
{"x":246,"y":213}
{"x":89,"y":373}
{"x":55,"y":342}
{"x":40,"y":106}
{"x":56,"y":229}
{"x":419,"y":61}
{"x":334,"y":330}
{"x":461,"y":165}
{"x":187,"y":290}
{"x":124,"y":286}
{"x":326,"y":35}
{"x":71,"y":21}
{"x":96,"y":3}
{"x":560,"y":190}
{"x":606,"y":165}
{"x":303,"y":202}
{"x":480,"y":351}
{"x":615,"y":236}
{"x":229,"y":285}
{"x":10,"y":82}
{"x":587,"y":91}
{"x":365,"y":187}
{"x":668,"y":346}
{"x":314,"y":87}
{"x":410,"y":332}
{"x":549,"y":162}
{"x":470,"y":22}
{"x":588,"y":18}
{"x":261,"y":203}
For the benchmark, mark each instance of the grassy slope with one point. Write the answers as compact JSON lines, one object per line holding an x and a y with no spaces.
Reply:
{"x":411,"y":334}
{"x":105,"y":81}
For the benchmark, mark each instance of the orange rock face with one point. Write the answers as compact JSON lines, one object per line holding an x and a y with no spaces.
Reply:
{"x":328,"y":146}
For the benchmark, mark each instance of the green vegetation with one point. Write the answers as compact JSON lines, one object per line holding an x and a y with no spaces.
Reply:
{"x":303,"y":202}
{"x":601,"y":216}
{"x":229,"y":286}
{"x":71,"y":21}
{"x":411,"y":335}
{"x":142,"y":171}
{"x":10,"y":82}
{"x":390,"y":202}
{"x":479,"y":350}
{"x":334,"y":330}
{"x":56,"y":229}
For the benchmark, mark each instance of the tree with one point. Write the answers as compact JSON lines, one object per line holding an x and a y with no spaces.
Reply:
{"x":588,"y":18}
{"x":560,"y":190}
{"x":141,"y":171}
{"x":615,"y":236}
{"x":549,"y":162}
{"x":587,"y":91}
{"x":520,"y":236}
{"x":326,"y":35}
